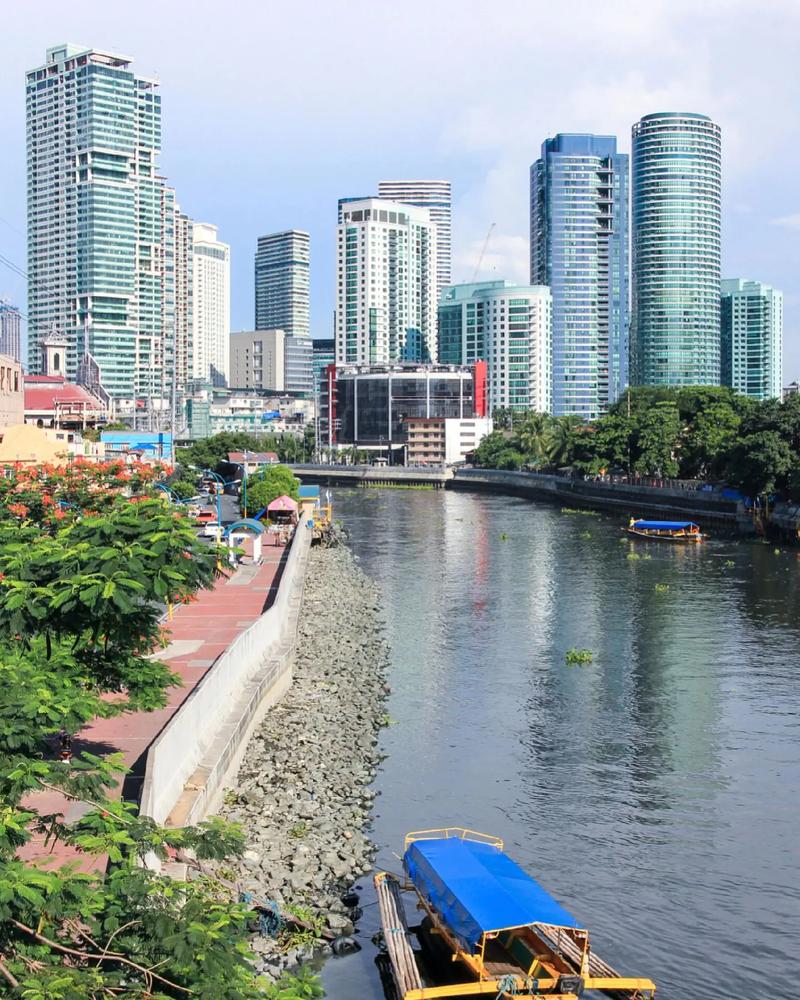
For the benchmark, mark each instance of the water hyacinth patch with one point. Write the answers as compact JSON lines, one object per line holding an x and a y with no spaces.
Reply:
{"x":575,"y":656}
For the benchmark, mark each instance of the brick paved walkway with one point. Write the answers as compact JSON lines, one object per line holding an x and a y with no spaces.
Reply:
{"x":200,"y":632}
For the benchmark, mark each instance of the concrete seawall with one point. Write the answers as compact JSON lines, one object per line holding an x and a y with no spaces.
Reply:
{"x":189,"y":762}
{"x":707,"y":509}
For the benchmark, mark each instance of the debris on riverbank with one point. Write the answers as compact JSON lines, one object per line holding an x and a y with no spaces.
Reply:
{"x":302,"y":793}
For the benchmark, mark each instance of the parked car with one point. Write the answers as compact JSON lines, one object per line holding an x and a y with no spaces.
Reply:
{"x":210,"y":531}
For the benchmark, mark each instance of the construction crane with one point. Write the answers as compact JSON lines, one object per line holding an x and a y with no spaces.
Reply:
{"x":483,"y":251}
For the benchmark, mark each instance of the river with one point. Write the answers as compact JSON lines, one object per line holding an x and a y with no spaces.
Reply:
{"x":655,"y":791}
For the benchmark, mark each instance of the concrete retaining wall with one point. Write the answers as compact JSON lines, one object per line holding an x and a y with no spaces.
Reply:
{"x":202,"y":744}
{"x":627,"y":498}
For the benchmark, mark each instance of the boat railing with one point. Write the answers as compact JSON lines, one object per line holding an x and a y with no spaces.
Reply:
{"x":453,"y":832}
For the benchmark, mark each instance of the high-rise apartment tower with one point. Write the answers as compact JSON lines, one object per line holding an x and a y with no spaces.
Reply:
{"x":386,"y":283}
{"x":10,"y":337}
{"x":211,"y":305}
{"x":99,"y":218}
{"x":579,"y":248}
{"x":282,"y":285}
{"x":436,"y":196}
{"x":510,"y":328}
{"x":752,"y":338}
{"x":677,"y":177}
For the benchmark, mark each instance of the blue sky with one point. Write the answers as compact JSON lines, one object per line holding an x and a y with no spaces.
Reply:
{"x":272,"y":111}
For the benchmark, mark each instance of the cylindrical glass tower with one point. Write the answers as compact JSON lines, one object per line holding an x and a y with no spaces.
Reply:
{"x":675,"y":326}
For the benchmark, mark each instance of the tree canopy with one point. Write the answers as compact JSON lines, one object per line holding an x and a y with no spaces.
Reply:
{"x":87,"y":555}
{"x":272,"y":482}
{"x":211,"y":452}
{"x":701,"y":432}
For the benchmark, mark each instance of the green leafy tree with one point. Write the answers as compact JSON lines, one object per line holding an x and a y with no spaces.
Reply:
{"x":78,"y":634}
{"x":761,"y":463}
{"x":510,"y":459}
{"x":490,"y":448}
{"x":184,"y":488}
{"x":272,"y":482}
{"x":657,"y":432}
{"x":211,"y":452}
{"x":711,"y":418}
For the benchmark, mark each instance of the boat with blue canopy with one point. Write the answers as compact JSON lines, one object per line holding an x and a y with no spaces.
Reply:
{"x":665,"y":531}
{"x":511,"y":938}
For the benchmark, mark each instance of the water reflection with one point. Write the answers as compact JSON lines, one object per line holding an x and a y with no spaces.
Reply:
{"x":654,"y":791}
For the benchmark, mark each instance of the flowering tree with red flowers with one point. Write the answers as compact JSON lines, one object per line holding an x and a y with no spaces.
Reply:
{"x":88,"y":558}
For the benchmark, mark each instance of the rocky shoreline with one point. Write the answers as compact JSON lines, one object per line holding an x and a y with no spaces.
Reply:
{"x":302,"y":793}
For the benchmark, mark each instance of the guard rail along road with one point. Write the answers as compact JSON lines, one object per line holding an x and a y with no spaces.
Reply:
{"x":189,"y":762}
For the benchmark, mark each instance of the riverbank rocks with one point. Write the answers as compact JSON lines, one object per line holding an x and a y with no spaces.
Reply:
{"x":302,"y":792}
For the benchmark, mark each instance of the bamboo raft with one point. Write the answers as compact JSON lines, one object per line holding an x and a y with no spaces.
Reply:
{"x":397,"y":935}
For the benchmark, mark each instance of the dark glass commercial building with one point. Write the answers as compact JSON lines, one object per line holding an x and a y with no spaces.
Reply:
{"x":371,"y":403}
{"x":675,"y":322}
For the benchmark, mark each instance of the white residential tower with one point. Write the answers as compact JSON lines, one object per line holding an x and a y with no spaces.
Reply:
{"x":386,"y":283}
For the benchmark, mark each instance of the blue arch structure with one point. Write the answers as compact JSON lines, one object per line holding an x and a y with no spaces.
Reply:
{"x":255,"y":526}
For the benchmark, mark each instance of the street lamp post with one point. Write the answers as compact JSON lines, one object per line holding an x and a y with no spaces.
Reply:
{"x":244,"y":485}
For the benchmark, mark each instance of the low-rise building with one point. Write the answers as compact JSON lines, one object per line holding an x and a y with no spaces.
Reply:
{"x":210,"y":411}
{"x":51,"y":401}
{"x":153,"y":446}
{"x":252,"y":461}
{"x":25,"y":444}
{"x":444,"y":440}
{"x":12,"y":404}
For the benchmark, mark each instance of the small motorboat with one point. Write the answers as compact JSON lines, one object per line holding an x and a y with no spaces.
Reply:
{"x":665,"y":531}
{"x":510,"y":937}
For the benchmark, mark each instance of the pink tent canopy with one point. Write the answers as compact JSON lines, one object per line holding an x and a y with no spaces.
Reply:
{"x":283,"y":503}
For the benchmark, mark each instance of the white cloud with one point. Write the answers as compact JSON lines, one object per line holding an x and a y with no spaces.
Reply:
{"x":789,"y":221}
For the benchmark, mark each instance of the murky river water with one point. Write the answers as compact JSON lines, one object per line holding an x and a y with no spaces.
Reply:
{"x":656,"y":791}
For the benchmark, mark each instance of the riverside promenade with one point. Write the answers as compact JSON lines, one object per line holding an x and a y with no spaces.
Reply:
{"x":199,"y":633}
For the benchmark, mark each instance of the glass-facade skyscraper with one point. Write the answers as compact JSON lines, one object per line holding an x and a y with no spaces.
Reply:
{"x":579,"y":248}
{"x":282,"y":283}
{"x":100,"y":220}
{"x":675,"y":322}
{"x":752,"y":338}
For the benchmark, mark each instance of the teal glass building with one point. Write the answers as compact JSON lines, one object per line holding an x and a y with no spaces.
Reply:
{"x":675,"y":323}
{"x":579,"y":248}
{"x":101,"y":236}
{"x":752,"y":338}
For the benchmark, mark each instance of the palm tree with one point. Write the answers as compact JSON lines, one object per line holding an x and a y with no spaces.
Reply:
{"x":533,"y":435}
{"x":561,"y":443}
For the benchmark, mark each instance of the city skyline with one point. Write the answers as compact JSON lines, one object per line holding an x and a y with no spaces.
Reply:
{"x":474,"y":136}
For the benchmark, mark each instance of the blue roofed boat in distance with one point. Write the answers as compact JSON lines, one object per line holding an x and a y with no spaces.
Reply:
{"x":665,"y":531}
{"x":511,"y":938}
